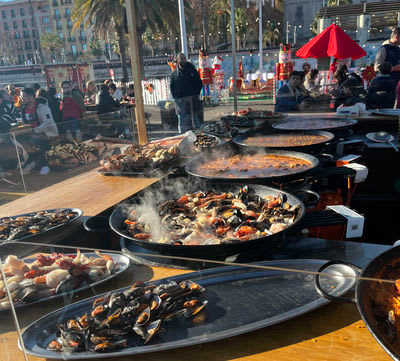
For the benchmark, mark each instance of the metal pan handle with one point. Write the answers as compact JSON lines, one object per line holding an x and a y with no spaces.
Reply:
{"x":317,"y":281}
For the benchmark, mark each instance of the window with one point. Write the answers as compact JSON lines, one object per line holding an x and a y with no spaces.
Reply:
{"x":3,"y":14}
{"x":24,"y":25}
{"x":57,"y":14}
{"x":5,"y":26}
{"x":45,"y":20}
{"x":28,"y":45}
{"x":26,"y":34}
{"x":61,"y":35}
{"x":84,"y":47}
{"x":74,"y":50}
{"x":12,"y":13}
{"x":55,"y":3}
{"x":21,"y":59}
{"x":67,"y":12}
{"x":17,"y":35}
{"x":34,"y":35}
{"x":69,"y":24}
{"x":35,"y":44}
{"x":47,"y":29}
{"x":15,"y":24}
{"x":22,"y":11}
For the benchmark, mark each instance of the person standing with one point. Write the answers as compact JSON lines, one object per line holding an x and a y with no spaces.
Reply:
{"x":71,"y":113}
{"x":390,"y":52}
{"x":185,"y":87}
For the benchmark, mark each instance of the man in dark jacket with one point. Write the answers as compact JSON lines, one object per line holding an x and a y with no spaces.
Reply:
{"x":382,"y":90}
{"x":390,"y":52}
{"x":185,"y":87}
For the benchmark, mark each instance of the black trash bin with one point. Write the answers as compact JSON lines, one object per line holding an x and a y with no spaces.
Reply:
{"x":169,"y":119}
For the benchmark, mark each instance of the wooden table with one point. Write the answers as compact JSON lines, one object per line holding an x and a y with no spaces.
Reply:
{"x":91,"y":192}
{"x":334,"y":332}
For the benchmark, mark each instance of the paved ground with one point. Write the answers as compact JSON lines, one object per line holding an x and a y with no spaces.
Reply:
{"x":35,"y":181}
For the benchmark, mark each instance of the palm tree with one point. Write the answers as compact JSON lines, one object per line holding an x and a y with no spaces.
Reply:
{"x":103,"y":16}
{"x":271,"y":36}
{"x":110,"y":15}
{"x":52,"y":43}
{"x":241,"y":26}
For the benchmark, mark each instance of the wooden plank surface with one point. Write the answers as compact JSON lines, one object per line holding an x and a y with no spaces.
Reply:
{"x":334,"y":332}
{"x":90,"y":191}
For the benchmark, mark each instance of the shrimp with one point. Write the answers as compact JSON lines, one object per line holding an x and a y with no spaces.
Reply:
{"x":55,"y":277}
{"x":14,"y":265}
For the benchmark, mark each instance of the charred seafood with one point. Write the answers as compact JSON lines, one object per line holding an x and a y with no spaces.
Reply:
{"x":219,"y":128}
{"x":13,"y":228}
{"x":204,"y":141}
{"x":117,"y":319}
{"x":140,"y":157}
{"x":214,"y":218}
{"x":71,"y":154}
{"x":51,"y":274}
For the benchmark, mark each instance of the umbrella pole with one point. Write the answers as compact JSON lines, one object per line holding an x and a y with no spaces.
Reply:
{"x":136,"y":73}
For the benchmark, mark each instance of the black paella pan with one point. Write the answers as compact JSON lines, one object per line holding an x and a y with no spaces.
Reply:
{"x":174,"y":191}
{"x":283,"y":174}
{"x":373,"y":298}
{"x":306,"y":124}
{"x":302,"y":141}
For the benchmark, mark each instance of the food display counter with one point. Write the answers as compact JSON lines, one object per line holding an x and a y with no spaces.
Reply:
{"x":310,"y":327}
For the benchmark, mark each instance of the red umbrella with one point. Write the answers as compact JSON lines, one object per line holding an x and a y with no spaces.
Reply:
{"x":333,"y":41}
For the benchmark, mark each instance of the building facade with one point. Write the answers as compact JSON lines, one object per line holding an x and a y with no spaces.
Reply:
{"x":76,"y":41}
{"x":22,"y":22}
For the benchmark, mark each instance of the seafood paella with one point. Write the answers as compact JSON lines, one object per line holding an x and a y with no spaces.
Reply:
{"x":285,"y":140}
{"x":18,"y":227}
{"x":252,"y":166}
{"x":121,"y":319}
{"x":46,"y":275}
{"x":210,"y":218}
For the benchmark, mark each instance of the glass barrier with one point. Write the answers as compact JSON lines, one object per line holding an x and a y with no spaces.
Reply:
{"x":36,"y":158}
{"x":72,"y":299}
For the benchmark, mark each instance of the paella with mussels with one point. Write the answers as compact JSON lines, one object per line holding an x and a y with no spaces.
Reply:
{"x":18,"y":227}
{"x":212,"y":218}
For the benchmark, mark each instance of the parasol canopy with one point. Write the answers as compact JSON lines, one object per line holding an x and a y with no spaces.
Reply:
{"x":333,"y":41}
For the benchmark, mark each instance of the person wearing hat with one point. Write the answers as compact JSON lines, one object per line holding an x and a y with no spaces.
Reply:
{"x":390,"y":52}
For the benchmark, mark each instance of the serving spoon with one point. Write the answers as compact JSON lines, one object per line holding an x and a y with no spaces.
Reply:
{"x":383,"y":137}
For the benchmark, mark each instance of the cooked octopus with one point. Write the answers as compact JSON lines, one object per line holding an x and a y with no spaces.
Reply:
{"x":214,"y":218}
{"x":117,"y":320}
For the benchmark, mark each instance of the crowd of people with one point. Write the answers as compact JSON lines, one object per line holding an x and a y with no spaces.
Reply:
{"x":303,"y":90}
{"x":54,"y":116}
